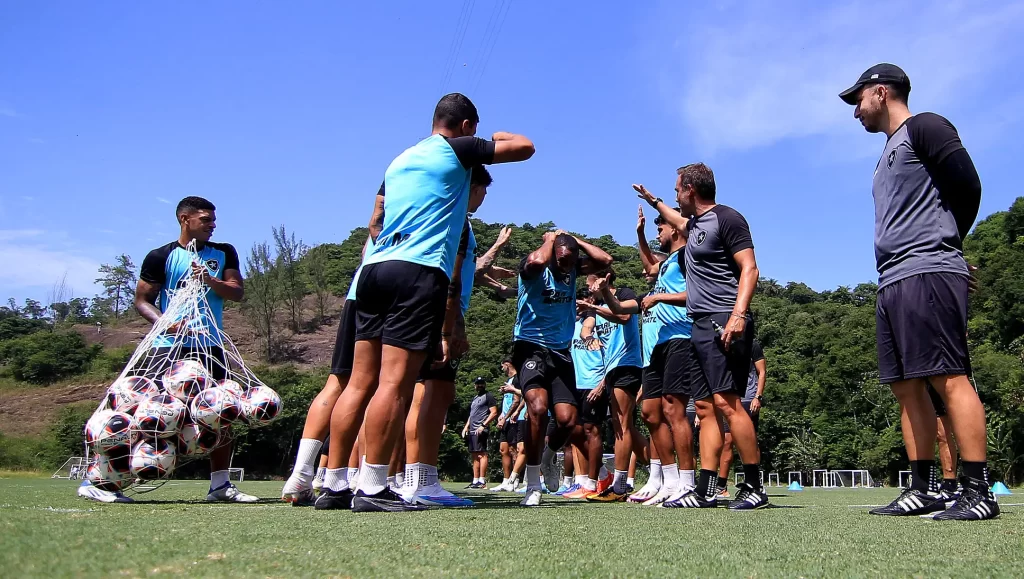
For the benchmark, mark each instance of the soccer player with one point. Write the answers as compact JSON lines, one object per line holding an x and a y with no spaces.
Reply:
{"x":406,"y":303}
{"x":162,"y":270}
{"x":507,"y":426}
{"x":927,"y":194}
{"x":751,"y":402}
{"x":545,"y":316}
{"x":483,"y":410}
{"x":721,"y":274}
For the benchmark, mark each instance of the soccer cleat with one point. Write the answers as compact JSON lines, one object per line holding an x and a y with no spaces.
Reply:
{"x":561,"y":490}
{"x":723,"y":494}
{"x":318,"y":484}
{"x":692,"y":500}
{"x":605,"y":483}
{"x":748,"y":498}
{"x":305,"y":499}
{"x":294,"y":487}
{"x":386,"y":501}
{"x":471,"y":485}
{"x":973,"y":505}
{"x":571,"y":488}
{"x":436,"y":496}
{"x":334,"y":501}
{"x":87,"y":490}
{"x":229,"y":493}
{"x":578,"y":494}
{"x":645,"y":493}
{"x":677,"y":495}
{"x":505,"y":487}
{"x":662,"y":495}
{"x":532,"y":498}
{"x":949,"y":497}
{"x":608,"y":496}
{"x":911,"y":502}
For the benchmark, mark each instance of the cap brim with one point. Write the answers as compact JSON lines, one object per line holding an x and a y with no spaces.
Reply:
{"x":850,"y":95}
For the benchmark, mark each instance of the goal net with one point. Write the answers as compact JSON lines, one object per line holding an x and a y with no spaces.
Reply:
{"x":183,"y":388}
{"x":858,"y":478}
{"x":73,"y":468}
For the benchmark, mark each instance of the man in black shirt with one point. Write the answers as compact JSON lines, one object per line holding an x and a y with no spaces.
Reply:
{"x":927,"y":194}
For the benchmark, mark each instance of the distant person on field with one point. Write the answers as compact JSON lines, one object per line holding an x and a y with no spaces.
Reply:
{"x":482,"y":412}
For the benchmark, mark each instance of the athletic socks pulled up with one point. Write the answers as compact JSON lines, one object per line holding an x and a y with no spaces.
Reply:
{"x":620,"y":481}
{"x":922,"y":476}
{"x":533,"y":477}
{"x":566,"y":481}
{"x":751,"y":476}
{"x":336,"y":479}
{"x":976,"y":470}
{"x":630,"y":480}
{"x":670,"y":476}
{"x":219,"y":478}
{"x":687,"y":479}
{"x":723,"y":482}
{"x":707,"y":484}
{"x":374,"y":478}
{"x":656,"y":478}
{"x":309,"y":449}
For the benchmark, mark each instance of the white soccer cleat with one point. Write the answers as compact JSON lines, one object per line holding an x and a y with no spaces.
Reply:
{"x":677,"y":495}
{"x":88,"y":491}
{"x":503,"y":488}
{"x":228,"y":493}
{"x":295,"y":488}
{"x":644,"y":494}
{"x":532,"y":498}
{"x":662,"y":496}
{"x":435,"y":496}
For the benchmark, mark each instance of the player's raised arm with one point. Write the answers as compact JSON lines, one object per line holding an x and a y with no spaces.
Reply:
{"x":597,"y":259}
{"x":646,"y":255}
{"x":510,"y":148}
{"x":377,"y":217}
{"x":539,"y":259}
{"x":668,"y":213}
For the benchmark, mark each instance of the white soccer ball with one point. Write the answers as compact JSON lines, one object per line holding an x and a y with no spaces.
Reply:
{"x":216,"y":408}
{"x":108,"y":432}
{"x":126,"y":393}
{"x":152,"y":459}
{"x":261,"y":405}
{"x":232,"y":386}
{"x":158,"y":417}
{"x":109,"y":474}
{"x":186,"y":378}
{"x":195,"y":441}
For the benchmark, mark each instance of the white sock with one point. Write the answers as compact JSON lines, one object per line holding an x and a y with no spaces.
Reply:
{"x":581,"y":479}
{"x":603,"y":473}
{"x":320,"y":472}
{"x":218,"y":478}
{"x":567,"y":481}
{"x":656,"y":479}
{"x":309,"y":449}
{"x":670,"y":475}
{"x":687,"y":479}
{"x":391,"y":482}
{"x":352,"y":476}
{"x":629,"y":481}
{"x":513,"y":480}
{"x":400,"y":479}
{"x":335,"y":479}
{"x":533,"y":480}
{"x":619,"y":483}
{"x":373,"y":478}
{"x":590,"y":484}
{"x":504,"y":481}
{"x":415,"y":476}
{"x":431,"y":476}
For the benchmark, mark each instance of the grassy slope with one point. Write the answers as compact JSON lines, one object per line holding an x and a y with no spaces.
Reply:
{"x":46,"y":530}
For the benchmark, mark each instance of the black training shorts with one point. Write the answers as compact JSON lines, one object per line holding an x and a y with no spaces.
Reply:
{"x":401,"y":304}
{"x":345,"y":342}
{"x":712,"y":369}
{"x":921,"y":325}
{"x":445,"y":373}
{"x":595,"y":412}
{"x":478,"y":442}
{"x":507,"y":433}
{"x":628,"y":378}
{"x":552,"y":370}
{"x":668,"y":371}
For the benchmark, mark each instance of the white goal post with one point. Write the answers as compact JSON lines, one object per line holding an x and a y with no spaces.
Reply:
{"x":72,"y":469}
{"x":774,"y":476}
{"x":795,"y":475}
{"x":825,"y":476}
{"x":904,"y":479}
{"x":852,"y":478}
{"x":236,"y":474}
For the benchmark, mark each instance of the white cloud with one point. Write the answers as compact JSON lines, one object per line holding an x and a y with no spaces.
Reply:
{"x":746,"y":75}
{"x":37,"y":141}
{"x":162,"y":200}
{"x":31,"y":264}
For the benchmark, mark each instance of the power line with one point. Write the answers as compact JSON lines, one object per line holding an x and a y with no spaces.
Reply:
{"x":507,"y":5}
{"x":461,"y":26}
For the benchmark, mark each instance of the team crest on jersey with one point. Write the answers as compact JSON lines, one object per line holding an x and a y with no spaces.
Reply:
{"x":701,"y":236}
{"x":531,"y":365}
{"x":891,"y":159}
{"x":213,"y":265}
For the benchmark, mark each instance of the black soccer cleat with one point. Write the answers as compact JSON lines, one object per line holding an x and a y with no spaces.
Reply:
{"x":691,"y":500}
{"x":334,"y":501}
{"x":386,"y":501}
{"x":306,"y":498}
{"x":912,"y":502}
{"x":973,"y":505}
{"x":949,"y":498}
{"x":748,"y":498}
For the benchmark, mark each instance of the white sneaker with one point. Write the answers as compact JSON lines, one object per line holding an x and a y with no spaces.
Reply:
{"x":505,"y":487}
{"x":435,"y":496}
{"x":532,"y":498}
{"x":318,"y":484}
{"x":87,"y":490}
{"x":295,"y":488}
{"x":677,"y":495}
{"x":228,"y":493}
{"x":659,"y":498}
{"x":645,"y":493}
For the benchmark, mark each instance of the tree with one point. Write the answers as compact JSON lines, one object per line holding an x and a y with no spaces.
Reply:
{"x":58,"y":298}
{"x":316,"y":275}
{"x":262,"y":294}
{"x":293,"y":288}
{"x":118,"y":282}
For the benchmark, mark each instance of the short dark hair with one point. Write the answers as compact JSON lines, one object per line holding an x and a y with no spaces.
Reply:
{"x":507,"y":360}
{"x":582,"y":293}
{"x":659,"y":220}
{"x":897,"y":92}
{"x":454,"y":108}
{"x":480,"y":176}
{"x":700,"y":176}
{"x":192,"y":204}
{"x":567,"y":241}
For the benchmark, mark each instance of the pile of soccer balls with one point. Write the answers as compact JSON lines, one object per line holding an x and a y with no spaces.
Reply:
{"x":144,"y":429}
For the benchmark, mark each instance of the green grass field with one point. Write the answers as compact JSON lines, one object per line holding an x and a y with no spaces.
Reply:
{"x":47,"y":531}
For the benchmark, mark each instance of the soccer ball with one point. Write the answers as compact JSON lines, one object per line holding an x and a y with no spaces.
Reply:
{"x":126,"y":393}
{"x":109,"y":474}
{"x":160,"y":416}
{"x":152,"y":459}
{"x":232,"y":386}
{"x":216,"y":408}
{"x":261,"y":405}
{"x":195,"y":441}
{"x":185,"y":378}
{"x":107,"y":431}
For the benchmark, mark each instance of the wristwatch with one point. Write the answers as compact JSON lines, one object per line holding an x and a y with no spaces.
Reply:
{"x":759,"y":398}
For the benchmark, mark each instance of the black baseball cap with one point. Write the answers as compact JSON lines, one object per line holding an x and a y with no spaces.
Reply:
{"x":479,"y":380}
{"x":884,"y":73}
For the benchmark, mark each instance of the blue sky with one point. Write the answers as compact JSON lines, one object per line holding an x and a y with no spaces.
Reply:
{"x":288,"y":113}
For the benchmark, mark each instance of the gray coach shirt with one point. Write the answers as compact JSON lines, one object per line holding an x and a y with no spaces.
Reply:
{"x":712,"y":274}
{"x":915,"y":231}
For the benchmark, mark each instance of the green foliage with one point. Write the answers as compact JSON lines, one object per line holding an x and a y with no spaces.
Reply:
{"x":66,"y":433}
{"x":14,"y":325}
{"x":43,"y":357}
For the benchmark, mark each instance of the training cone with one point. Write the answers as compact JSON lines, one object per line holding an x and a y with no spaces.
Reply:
{"x":795,"y":486}
{"x":1000,"y":489}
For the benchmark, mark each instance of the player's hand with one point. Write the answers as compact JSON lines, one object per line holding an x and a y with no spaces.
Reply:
{"x":594,"y":344}
{"x":755,"y":406}
{"x":502,"y":273}
{"x":549,"y":237}
{"x":596,"y":393}
{"x":972,"y":281}
{"x":200,"y":271}
{"x":502,"y":136}
{"x":175,"y":328}
{"x":583,"y":307}
{"x":733,"y":330}
{"x":503,"y":236}
{"x":459,"y":343}
{"x":465,"y":432}
{"x":501,"y":423}
{"x":444,"y":352}
{"x":479,"y":430}
{"x":641,"y":221}
{"x":643,"y":193}
{"x":600,"y":284}
{"x":506,"y":293}
{"x":696,"y":421}
{"x":649,"y":302}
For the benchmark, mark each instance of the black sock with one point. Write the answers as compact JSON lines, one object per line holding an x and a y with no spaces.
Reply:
{"x":707,"y":483}
{"x":752,"y":475}
{"x":723,"y":482}
{"x":948,"y":485}
{"x":977,"y":471}
{"x":921,"y":474}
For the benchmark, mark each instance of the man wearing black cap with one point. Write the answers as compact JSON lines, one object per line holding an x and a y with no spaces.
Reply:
{"x":482,"y":412}
{"x":927,"y":194}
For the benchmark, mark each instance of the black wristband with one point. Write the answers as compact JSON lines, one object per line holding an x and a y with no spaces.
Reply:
{"x":654,"y":202}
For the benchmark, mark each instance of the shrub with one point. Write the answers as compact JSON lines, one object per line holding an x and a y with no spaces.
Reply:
{"x":44,"y":357}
